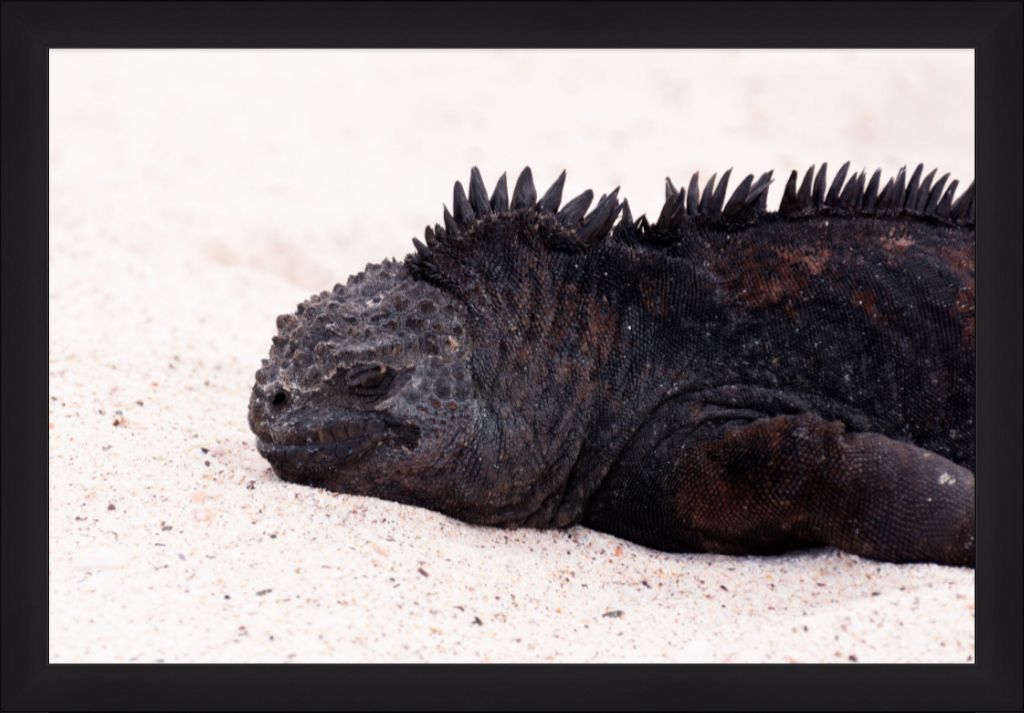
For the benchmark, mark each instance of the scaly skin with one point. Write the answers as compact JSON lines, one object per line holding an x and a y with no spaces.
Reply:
{"x":725,"y":380}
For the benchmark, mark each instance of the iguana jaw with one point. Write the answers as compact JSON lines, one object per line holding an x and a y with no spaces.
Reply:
{"x":308,"y":455}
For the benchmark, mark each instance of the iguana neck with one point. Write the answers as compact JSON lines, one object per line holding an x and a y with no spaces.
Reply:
{"x":570,"y":357}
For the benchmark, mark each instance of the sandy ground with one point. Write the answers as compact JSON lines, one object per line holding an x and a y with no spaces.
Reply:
{"x":196,"y":195}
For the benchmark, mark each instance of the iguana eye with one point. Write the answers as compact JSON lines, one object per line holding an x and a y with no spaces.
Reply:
{"x":368,"y":379}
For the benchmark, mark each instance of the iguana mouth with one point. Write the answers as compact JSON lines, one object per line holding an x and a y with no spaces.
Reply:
{"x":343,"y":440}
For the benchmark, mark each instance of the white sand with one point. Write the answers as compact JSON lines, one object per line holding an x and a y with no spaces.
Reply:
{"x":196,"y":195}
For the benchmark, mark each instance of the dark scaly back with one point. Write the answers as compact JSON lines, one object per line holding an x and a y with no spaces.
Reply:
{"x":853,"y":297}
{"x":850,"y":293}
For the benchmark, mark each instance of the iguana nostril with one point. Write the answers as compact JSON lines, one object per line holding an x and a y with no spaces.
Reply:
{"x":280,"y":398}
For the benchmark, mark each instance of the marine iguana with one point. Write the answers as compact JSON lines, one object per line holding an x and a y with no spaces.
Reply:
{"x":724,"y":379}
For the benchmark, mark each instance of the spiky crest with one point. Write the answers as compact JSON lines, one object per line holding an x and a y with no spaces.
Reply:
{"x":577,"y":229}
{"x":848,"y":195}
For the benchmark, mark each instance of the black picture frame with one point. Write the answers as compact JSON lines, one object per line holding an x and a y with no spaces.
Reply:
{"x":993,"y":29}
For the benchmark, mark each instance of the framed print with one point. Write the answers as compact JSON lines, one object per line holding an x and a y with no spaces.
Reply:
{"x":382,"y":335}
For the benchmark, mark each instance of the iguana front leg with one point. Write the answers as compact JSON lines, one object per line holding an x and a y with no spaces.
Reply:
{"x":770,"y":484}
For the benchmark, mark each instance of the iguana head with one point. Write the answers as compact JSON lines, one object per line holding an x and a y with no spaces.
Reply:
{"x":364,"y":383}
{"x":433,"y":381}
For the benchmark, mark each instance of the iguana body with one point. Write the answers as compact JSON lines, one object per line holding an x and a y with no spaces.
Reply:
{"x":726,"y":380}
